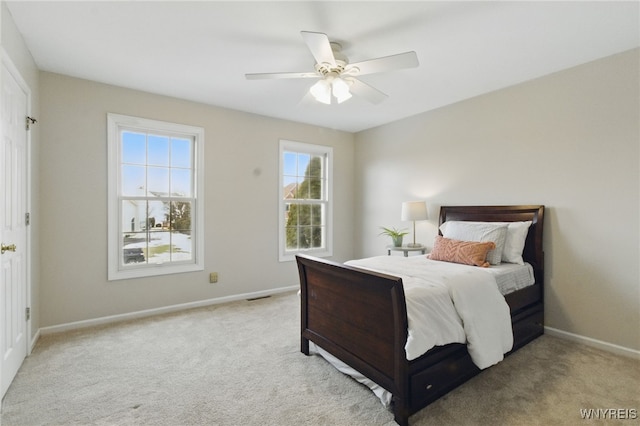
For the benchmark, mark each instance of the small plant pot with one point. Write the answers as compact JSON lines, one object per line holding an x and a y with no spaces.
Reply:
{"x":397,"y":241}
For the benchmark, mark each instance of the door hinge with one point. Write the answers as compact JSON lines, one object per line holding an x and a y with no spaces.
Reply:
{"x":30,"y":121}
{"x":28,"y":314}
{"x":27,"y":219}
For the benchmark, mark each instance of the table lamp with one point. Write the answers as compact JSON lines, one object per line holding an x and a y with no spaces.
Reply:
{"x":414,"y":210}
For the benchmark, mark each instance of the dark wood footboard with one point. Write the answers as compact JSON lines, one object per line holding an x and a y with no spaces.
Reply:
{"x":359,"y":317}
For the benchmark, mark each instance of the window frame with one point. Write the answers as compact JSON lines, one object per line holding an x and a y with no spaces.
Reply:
{"x":326,"y":152}
{"x":117,"y":270}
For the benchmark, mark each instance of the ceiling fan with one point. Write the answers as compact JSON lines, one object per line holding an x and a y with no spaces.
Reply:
{"x":337,"y":77}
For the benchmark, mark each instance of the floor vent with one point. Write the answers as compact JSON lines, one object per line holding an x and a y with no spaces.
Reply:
{"x":258,"y":298}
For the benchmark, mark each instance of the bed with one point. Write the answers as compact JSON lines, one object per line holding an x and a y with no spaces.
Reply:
{"x":359,"y":316}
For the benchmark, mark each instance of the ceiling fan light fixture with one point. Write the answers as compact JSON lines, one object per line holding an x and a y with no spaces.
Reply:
{"x":321,"y":91}
{"x":340,"y":90}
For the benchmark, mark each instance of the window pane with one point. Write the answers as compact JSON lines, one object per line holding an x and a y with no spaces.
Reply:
{"x":134,"y":213}
{"x":316,"y":215}
{"x":158,"y":151}
{"x":180,"y":216}
{"x":304,"y":237}
{"x":291,"y":214}
{"x":303,"y":163}
{"x":315,"y":188}
{"x":290,"y":166}
{"x":181,"y":246}
{"x":291,"y":228}
{"x":304,"y":214}
{"x":291,"y":238}
{"x":304,"y":189}
{"x":133,"y":248}
{"x":287,"y":213}
{"x":290,"y":188}
{"x":181,"y":182}
{"x":159,"y":246}
{"x":134,"y":149}
{"x":181,"y":153}
{"x":316,"y":237}
{"x":158,"y":181}
{"x":158,"y":212}
{"x":313,"y":176}
{"x":315,"y":167}
{"x":133,"y":181}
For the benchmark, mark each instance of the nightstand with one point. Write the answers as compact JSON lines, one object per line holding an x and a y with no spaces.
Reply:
{"x":405,"y":250}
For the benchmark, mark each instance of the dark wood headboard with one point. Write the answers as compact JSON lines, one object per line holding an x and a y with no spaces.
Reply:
{"x":533,"y":251}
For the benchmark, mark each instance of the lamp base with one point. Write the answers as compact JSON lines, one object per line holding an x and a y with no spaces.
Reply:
{"x":414,"y":245}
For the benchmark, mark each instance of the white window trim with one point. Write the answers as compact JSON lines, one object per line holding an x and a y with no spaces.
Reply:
{"x":327,"y":151}
{"x":115,"y":270}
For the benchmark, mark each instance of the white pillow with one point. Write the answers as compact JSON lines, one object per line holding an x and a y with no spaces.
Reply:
{"x":479,"y":232}
{"x":514,"y":243}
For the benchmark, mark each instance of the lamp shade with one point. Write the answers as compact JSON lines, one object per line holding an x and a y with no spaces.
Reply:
{"x":414,"y":210}
{"x":321,"y":91}
{"x":340,"y":90}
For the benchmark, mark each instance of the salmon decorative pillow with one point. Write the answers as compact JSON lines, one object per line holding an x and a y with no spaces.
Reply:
{"x":481,"y":232}
{"x":465,"y":252}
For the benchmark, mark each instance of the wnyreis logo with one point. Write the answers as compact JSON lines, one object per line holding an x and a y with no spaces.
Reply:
{"x":609,"y":413}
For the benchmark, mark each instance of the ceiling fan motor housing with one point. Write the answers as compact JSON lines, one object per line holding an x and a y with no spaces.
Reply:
{"x":341,"y":62}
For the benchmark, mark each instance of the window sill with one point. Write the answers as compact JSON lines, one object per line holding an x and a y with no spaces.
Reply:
{"x":153,"y":271}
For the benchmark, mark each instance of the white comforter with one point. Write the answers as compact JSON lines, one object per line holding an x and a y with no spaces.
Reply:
{"x":449,"y":303}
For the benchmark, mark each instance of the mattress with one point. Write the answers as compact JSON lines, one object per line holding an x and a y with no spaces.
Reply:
{"x":511,"y":277}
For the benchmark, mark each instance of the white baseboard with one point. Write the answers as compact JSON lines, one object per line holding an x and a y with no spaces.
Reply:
{"x":599,"y":344}
{"x":156,"y":311}
{"x":34,"y":340}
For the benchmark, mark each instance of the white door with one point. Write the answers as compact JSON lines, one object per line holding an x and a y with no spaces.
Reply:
{"x":13,"y":227}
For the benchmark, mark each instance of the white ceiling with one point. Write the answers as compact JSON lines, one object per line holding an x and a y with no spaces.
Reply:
{"x":201,"y":50}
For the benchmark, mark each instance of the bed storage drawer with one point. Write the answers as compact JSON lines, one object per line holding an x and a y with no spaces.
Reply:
{"x":442,"y":377}
{"x":528,"y":326}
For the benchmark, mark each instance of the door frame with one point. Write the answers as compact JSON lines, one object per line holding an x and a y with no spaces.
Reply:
{"x":5,"y":61}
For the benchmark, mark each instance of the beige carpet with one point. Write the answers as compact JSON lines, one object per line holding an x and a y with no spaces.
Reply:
{"x":240,"y":364}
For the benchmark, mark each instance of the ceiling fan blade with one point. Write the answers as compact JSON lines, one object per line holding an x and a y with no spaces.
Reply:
{"x":370,"y":93}
{"x":268,"y":75}
{"x":387,"y":63}
{"x":320,"y":47}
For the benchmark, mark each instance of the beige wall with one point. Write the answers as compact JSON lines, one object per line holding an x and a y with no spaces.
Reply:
{"x":14,"y":47}
{"x":569,"y":141}
{"x":241,"y":204}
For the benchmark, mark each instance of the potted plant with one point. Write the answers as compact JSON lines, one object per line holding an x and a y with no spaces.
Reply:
{"x":395,"y":234}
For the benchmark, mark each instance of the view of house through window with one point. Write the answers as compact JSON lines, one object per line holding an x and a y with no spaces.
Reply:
{"x":155,"y":180}
{"x":305,"y":194}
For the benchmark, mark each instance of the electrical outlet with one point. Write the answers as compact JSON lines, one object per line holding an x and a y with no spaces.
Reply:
{"x":213,"y":277}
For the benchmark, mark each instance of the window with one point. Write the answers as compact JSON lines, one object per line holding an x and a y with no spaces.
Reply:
{"x":305,"y":200}
{"x":156,"y":204}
